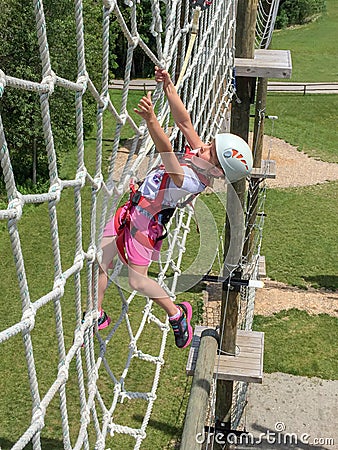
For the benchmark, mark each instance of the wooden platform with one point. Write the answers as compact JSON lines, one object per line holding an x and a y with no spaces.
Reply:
{"x":246,"y":366}
{"x":265,"y":64}
{"x":267,"y":169}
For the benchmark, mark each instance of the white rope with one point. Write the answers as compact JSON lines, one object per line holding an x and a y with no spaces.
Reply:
{"x":267,"y":11}
{"x":205,"y":86}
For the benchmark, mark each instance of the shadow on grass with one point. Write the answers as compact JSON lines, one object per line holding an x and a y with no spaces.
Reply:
{"x":161,"y":426}
{"x":50,"y":444}
{"x":329,"y":282}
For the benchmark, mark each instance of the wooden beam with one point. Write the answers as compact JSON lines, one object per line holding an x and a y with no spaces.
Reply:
{"x":200,"y":390}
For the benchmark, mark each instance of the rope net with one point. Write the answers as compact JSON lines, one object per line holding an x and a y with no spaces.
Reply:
{"x":204,"y":82}
{"x":265,"y":23}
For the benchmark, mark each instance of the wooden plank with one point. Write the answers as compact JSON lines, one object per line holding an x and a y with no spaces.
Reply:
{"x":267,"y":169}
{"x":265,"y":64}
{"x":246,"y":366}
{"x":261,"y":266}
{"x":136,"y":85}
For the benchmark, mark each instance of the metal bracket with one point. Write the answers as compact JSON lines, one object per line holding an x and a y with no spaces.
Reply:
{"x":235,"y":282}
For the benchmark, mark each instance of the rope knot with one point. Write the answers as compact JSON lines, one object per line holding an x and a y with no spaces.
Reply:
{"x":78,"y":261}
{"x":78,"y":338}
{"x":83,"y":81}
{"x":81,"y":176}
{"x":117,"y":389}
{"x":132,"y":345}
{"x":16,"y":204}
{"x":63,"y":374}
{"x":85,"y":416}
{"x":98,"y":180}
{"x":29,"y":315}
{"x":141,"y":131}
{"x":91,"y":254}
{"x":104,"y":98}
{"x":50,"y":81}
{"x":38,"y":417}
{"x":55,"y":189}
{"x":59,"y":285}
{"x":135,"y":40}
{"x":123,"y":118}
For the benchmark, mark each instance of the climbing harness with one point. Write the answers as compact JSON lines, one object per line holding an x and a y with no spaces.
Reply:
{"x":156,"y":211}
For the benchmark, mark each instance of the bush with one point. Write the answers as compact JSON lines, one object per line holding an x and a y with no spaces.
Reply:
{"x":298,"y":12}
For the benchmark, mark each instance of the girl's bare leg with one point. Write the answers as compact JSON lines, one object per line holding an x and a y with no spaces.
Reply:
{"x":109,"y":251}
{"x":139,"y":281}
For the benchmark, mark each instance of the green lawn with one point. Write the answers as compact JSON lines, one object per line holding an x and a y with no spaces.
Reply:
{"x":313,"y":47}
{"x":300,"y":235}
{"x":294,"y":340}
{"x":308,"y":122}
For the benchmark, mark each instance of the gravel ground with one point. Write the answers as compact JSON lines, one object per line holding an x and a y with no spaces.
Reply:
{"x":291,"y":412}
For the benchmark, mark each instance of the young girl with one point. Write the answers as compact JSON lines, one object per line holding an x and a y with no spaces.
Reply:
{"x":135,"y":232}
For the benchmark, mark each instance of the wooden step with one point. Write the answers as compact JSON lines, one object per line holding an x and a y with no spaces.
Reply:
{"x":247,"y":365}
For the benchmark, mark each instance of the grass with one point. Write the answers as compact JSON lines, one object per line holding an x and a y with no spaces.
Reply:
{"x":308,"y":122}
{"x":313,"y":47}
{"x":293,"y":340}
{"x":300,"y":241}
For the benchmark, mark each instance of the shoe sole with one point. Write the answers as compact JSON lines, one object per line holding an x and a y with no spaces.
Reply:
{"x":188,"y":311}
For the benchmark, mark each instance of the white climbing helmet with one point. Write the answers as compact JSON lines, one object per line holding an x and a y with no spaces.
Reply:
{"x":234,"y":155}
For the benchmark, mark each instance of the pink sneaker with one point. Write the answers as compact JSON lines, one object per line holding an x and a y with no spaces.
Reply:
{"x":181,"y":326}
{"x":104,"y":320}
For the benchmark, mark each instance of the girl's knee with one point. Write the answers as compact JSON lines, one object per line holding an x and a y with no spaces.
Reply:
{"x":138,"y":283}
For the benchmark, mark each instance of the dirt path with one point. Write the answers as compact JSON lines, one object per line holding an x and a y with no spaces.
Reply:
{"x":294,"y":168}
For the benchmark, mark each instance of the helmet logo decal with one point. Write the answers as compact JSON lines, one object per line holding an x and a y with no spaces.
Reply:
{"x":237,"y":155}
{"x":227,"y":153}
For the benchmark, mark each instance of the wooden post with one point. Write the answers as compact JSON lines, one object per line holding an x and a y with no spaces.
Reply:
{"x":240,"y":117}
{"x":257,"y":146}
{"x":193,"y":432}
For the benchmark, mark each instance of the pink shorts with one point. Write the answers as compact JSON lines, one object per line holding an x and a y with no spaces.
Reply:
{"x":136,"y":252}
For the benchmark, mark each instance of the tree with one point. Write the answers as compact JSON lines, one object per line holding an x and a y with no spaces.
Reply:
{"x":298,"y":12}
{"x":20,"y":110}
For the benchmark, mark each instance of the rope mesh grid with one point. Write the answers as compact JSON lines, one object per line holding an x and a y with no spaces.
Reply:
{"x":267,"y":11}
{"x":206,"y":89}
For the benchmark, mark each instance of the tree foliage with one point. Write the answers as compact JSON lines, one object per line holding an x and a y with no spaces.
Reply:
{"x":298,"y":12}
{"x":19,"y":57}
{"x":20,"y":110}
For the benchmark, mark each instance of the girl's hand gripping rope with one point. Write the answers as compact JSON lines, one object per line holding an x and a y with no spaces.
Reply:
{"x":162,"y":76}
